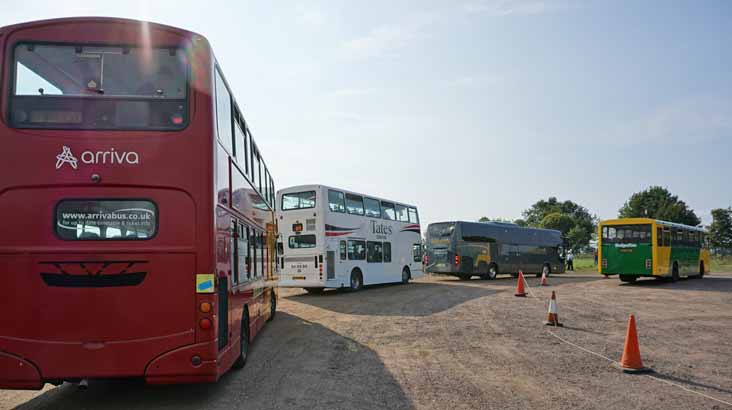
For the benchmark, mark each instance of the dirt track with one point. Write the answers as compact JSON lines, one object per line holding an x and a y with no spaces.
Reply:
{"x":440,"y":343}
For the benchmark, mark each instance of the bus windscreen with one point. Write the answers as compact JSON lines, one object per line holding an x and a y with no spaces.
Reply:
{"x":98,"y":87}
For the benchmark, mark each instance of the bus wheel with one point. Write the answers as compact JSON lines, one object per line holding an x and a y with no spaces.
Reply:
{"x":406,"y":275}
{"x":356,"y":280}
{"x":701,"y":270}
{"x":272,"y":305}
{"x":492,"y":272}
{"x":675,"y":272}
{"x":627,"y":279}
{"x":243,"y":342}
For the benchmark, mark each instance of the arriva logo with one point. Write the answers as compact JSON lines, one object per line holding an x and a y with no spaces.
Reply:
{"x":96,"y":158}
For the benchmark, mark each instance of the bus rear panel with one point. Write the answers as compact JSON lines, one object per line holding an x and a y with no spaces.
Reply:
{"x":331,"y":237}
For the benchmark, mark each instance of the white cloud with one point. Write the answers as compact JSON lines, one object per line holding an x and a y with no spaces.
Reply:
{"x":684,"y":121}
{"x":500,"y":8}
{"x":388,"y":38}
{"x":311,"y":17}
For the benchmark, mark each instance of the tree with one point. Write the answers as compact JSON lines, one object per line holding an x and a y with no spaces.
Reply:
{"x":558,"y":221}
{"x":486,"y":219}
{"x":572,"y":219}
{"x":720,"y":231}
{"x":657,"y":202}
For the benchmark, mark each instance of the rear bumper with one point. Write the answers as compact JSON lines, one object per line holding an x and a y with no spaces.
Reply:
{"x":34,"y":363}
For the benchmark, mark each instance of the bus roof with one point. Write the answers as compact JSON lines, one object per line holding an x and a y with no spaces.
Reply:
{"x":299,"y":188}
{"x":497,"y":224}
{"x":638,"y":221}
{"x":106,"y":20}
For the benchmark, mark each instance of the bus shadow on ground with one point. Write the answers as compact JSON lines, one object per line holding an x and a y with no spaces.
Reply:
{"x":413,"y":299}
{"x":293,"y":364}
{"x":532,"y":280}
{"x":708,"y":284}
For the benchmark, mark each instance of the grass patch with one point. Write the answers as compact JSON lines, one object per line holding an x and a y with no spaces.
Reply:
{"x":584,"y":263}
{"x":721,"y":264}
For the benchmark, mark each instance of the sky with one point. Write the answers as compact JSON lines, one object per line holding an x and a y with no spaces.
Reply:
{"x":471,"y":108}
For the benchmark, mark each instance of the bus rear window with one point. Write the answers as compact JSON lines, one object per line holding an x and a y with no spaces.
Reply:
{"x":100,"y":220}
{"x":302,"y":241}
{"x":98,"y":87}
{"x":441,"y":230}
{"x":298,"y":200}
{"x":626,"y":233}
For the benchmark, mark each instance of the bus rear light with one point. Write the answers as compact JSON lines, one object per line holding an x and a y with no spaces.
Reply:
{"x":205,"y":307}
{"x":205,"y":324}
{"x":649,"y":263}
{"x":297,"y":228}
{"x":457,"y":260}
{"x":176,"y":119}
{"x":426,"y":259}
{"x":604,"y":263}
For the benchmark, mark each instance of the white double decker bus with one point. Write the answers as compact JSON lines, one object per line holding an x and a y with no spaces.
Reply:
{"x":333,"y":238}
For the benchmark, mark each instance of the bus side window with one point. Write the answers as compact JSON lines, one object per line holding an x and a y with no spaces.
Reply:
{"x":342,"y":249}
{"x":413,"y":216}
{"x":252,"y":253}
{"x":387,"y":252}
{"x":336,"y":201}
{"x":263,"y":256}
{"x":243,"y":254}
{"x":659,"y":236}
{"x":234,"y":253}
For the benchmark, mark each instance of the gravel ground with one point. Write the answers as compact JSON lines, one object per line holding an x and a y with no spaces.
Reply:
{"x":440,"y":343}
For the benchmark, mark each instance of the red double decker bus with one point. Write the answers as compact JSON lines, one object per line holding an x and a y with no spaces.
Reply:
{"x":137,"y":234}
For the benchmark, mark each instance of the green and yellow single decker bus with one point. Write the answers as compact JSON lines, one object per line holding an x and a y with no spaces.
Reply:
{"x":642,"y":247}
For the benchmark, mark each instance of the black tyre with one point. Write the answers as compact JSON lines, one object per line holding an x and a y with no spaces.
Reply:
{"x":314,"y":291}
{"x":243,"y":342}
{"x":675,"y":272}
{"x":701,"y":271}
{"x":406,"y":275}
{"x":492,"y":272}
{"x":627,"y":279}
{"x":356,"y":280}
{"x":272,"y":305}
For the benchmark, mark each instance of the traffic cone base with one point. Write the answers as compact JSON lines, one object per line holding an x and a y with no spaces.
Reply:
{"x":520,"y":291}
{"x":544,"y":282}
{"x":631,"y":361}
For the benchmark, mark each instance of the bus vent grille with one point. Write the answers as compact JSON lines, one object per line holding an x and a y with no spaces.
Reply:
{"x":310,"y":224}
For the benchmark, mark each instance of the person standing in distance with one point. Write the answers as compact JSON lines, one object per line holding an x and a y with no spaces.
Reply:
{"x":570,"y":260}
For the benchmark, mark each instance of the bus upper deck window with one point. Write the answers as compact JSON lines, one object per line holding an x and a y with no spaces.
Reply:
{"x":71,"y":86}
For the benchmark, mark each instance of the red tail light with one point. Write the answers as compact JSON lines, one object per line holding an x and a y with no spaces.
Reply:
{"x":604,"y":263}
{"x":426,"y":260}
{"x":457,"y":259}
{"x":649,"y":263}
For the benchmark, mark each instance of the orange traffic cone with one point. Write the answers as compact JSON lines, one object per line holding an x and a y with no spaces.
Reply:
{"x":544,"y":282}
{"x":553,"y":317}
{"x":631,"y":361}
{"x":520,"y":285}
